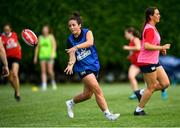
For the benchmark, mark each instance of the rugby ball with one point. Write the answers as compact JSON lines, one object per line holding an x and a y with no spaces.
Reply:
{"x":29,"y":37}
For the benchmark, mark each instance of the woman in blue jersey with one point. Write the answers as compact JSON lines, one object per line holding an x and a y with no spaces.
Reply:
{"x":83,"y":60}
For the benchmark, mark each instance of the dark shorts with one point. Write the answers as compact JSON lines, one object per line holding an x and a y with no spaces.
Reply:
{"x":87,"y":72}
{"x":149,"y":68}
{"x":12,"y":60}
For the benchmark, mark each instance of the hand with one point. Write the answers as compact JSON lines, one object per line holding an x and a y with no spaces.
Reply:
{"x":73,"y":49}
{"x":5,"y":71}
{"x":166,"y":46}
{"x":125,"y":47}
{"x":164,"y":52}
{"x":35,"y":60}
{"x":69,"y":70}
{"x":53,"y":55}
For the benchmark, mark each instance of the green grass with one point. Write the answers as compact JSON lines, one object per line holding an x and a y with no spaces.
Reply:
{"x":48,"y":108}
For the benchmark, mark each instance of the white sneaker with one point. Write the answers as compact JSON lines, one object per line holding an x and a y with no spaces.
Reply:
{"x":70,"y":105}
{"x":54,"y":87}
{"x":44,"y":88}
{"x":112,"y":117}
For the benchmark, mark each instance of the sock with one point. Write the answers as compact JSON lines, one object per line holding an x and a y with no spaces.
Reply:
{"x":44,"y":84}
{"x":139,"y":109}
{"x":138,"y":94}
{"x":163,"y":90}
{"x":53,"y":82}
{"x":106,"y":112}
{"x":141,"y":92}
{"x":72,"y":102}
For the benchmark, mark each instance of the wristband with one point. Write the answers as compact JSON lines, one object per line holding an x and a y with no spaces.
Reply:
{"x":162,"y":47}
{"x":70,"y":63}
{"x":76,"y":47}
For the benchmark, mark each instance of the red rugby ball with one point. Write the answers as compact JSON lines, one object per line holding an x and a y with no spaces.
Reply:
{"x":29,"y":37}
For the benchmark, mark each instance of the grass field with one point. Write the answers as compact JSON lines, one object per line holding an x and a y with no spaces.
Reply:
{"x":48,"y":108}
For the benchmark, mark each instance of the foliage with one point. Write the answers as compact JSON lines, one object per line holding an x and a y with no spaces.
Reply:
{"x":106,"y":18}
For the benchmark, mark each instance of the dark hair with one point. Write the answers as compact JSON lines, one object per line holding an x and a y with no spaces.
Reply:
{"x":77,"y":17}
{"x":149,"y":12}
{"x":134,"y":32}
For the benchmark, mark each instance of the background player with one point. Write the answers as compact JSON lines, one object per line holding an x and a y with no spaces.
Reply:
{"x":13,"y":52}
{"x":46,"y":51}
{"x":134,"y":47}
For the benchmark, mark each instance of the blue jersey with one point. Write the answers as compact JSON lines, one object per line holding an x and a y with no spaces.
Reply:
{"x":86,"y":58}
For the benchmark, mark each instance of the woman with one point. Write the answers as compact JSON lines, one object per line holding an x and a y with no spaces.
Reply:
{"x":83,"y":59}
{"x":46,"y":51}
{"x":153,"y":73}
{"x":134,"y":47}
{"x":13,"y":52}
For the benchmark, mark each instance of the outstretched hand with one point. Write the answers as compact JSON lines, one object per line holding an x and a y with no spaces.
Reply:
{"x":69,"y":70}
{"x":166,"y":46}
{"x":5,"y":71}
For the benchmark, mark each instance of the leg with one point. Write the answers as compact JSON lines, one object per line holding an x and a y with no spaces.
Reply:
{"x":85,"y":95}
{"x":51,"y":70}
{"x":51,"y":73}
{"x":14,"y":80}
{"x":91,"y":86}
{"x":132,"y":73}
{"x":163,"y":80}
{"x":162,"y":77}
{"x":43,"y":74}
{"x":92,"y":83}
{"x":152,"y":85}
{"x":15,"y":77}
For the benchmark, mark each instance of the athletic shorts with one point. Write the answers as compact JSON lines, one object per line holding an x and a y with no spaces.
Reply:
{"x":87,"y":72}
{"x":149,"y":68}
{"x":47,"y":60}
{"x":12,"y":60}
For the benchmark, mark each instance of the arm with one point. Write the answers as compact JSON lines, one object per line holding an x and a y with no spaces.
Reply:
{"x":36,"y":54}
{"x":137,"y":46}
{"x":5,"y":68}
{"x":72,"y":60}
{"x":152,"y":47}
{"x":89,"y":42}
{"x":3,"y":55}
{"x":54,"y":46}
{"x":17,"y":40}
{"x":149,"y":36}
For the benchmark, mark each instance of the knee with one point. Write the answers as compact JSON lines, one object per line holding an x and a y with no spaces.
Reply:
{"x":14,"y":75}
{"x":152,"y":87}
{"x":50,"y":72}
{"x":131,"y":77}
{"x":166,"y":84}
{"x":98,"y":91}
